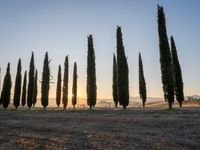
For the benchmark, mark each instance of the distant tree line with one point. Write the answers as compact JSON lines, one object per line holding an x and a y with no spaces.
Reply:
{"x":171,"y":76}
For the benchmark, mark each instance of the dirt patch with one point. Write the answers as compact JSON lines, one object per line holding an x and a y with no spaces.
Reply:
{"x":100,"y":129}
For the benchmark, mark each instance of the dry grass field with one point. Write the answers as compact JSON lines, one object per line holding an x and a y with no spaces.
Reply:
{"x":135,"y":128}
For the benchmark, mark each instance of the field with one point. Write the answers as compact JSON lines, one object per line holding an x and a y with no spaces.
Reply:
{"x":136,"y":128}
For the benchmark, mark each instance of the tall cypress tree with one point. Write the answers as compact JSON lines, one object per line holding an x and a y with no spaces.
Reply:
{"x":24,"y":90}
{"x":17,"y":91}
{"x":58,"y":90}
{"x":91,"y":74}
{"x":45,"y":82}
{"x":142,"y":83}
{"x":122,"y":71}
{"x":114,"y":86}
{"x":65,"y":83}
{"x":178,"y":82}
{"x":165,"y":59}
{"x":74,"y":87}
{"x":31,"y":82}
{"x":7,"y":84}
{"x":35,"y":90}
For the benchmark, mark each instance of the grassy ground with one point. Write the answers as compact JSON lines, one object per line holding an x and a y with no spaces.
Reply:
{"x":100,"y":129}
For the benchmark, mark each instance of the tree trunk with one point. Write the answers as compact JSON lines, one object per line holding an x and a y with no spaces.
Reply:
{"x":143,"y":103}
{"x":180,"y":104}
{"x":115,"y":105}
{"x":170,"y":105}
{"x":124,"y":107}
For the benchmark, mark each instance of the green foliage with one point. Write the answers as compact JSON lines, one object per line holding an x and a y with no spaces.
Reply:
{"x":7,"y":84}
{"x":24,"y":89}
{"x":74,"y":87}
{"x":65,"y":83}
{"x":91,"y":74}
{"x":178,"y":82}
{"x":165,"y":59}
{"x":122,"y":70}
{"x":58,"y":90}
{"x":31,"y":82}
{"x":45,"y":82}
{"x":17,"y":91}
{"x":35,"y":90}
{"x":114,"y":86}
{"x":142,"y":83}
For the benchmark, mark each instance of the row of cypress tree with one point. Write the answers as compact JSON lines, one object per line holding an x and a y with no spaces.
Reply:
{"x":120,"y":73}
{"x":30,"y":96}
{"x":65,"y":85}
{"x":170,"y":74}
{"x":170,"y":68}
{"x":120,"y":76}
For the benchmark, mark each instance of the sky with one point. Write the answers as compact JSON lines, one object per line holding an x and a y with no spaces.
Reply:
{"x":61,"y":27}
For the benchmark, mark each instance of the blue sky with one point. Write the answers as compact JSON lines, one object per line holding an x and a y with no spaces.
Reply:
{"x":61,"y":28}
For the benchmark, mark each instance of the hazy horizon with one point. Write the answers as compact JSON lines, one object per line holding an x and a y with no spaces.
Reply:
{"x":61,"y":28}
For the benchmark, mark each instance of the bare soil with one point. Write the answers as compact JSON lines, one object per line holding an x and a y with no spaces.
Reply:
{"x":136,"y":128}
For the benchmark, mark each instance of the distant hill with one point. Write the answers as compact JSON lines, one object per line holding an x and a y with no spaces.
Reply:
{"x":193,"y":97}
{"x":107,"y":102}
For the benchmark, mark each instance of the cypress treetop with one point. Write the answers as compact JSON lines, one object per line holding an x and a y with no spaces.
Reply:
{"x":122,"y":71}
{"x":58,"y":90}
{"x":91,"y":74}
{"x":6,"y":91}
{"x":114,"y":86}
{"x":35,"y":90}
{"x":17,"y":91}
{"x":142,"y":83}
{"x":31,"y":82}
{"x":178,"y":81}
{"x":165,"y":59}
{"x":65,"y":83}
{"x":24,"y":89}
{"x":45,"y":82}
{"x":74,"y":87}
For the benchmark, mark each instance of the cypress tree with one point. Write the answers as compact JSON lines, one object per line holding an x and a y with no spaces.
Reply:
{"x":91,"y":74}
{"x":17,"y":91}
{"x":24,"y":90}
{"x":178,"y":82}
{"x":165,"y":59}
{"x":142,"y":83}
{"x":45,"y":82}
{"x":7,"y":84}
{"x":114,"y":86}
{"x":35,"y":90}
{"x":122,"y":71}
{"x":74,"y":87}
{"x":65,"y":83}
{"x":58,"y":90}
{"x":31,"y":82}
